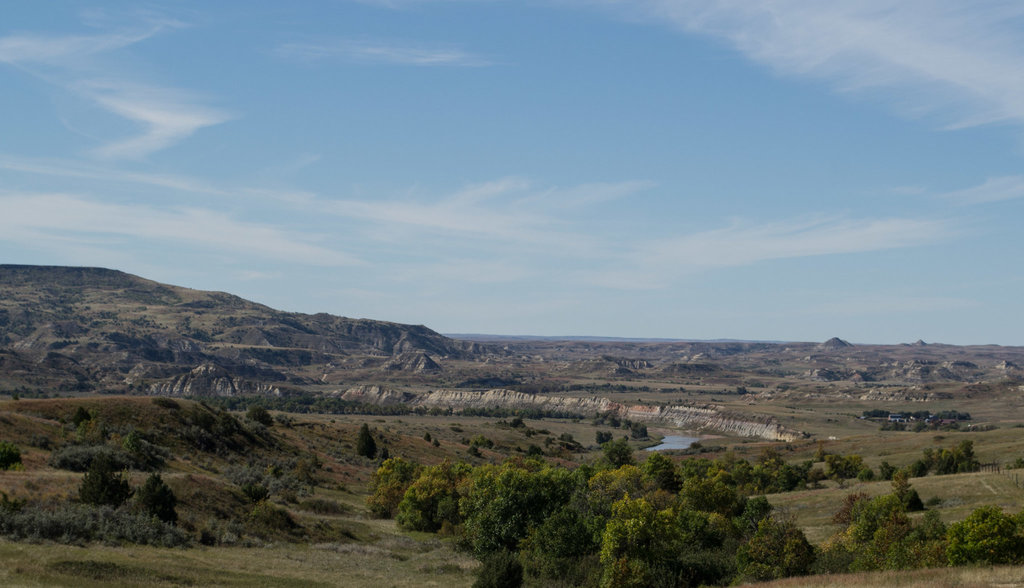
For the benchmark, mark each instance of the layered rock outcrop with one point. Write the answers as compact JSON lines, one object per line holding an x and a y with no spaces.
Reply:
{"x":211,"y":380}
{"x":702,"y":418}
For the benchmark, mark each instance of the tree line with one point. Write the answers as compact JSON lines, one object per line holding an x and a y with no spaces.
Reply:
{"x":658,"y":523}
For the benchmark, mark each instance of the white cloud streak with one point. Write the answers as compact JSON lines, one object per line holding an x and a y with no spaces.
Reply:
{"x":28,"y":50}
{"x":742,"y":244}
{"x":656,"y":263}
{"x":380,"y":52}
{"x":993,"y":190}
{"x":43,"y":218}
{"x":509,"y":209}
{"x":962,"y":61}
{"x":68,"y":169}
{"x":165,"y":115}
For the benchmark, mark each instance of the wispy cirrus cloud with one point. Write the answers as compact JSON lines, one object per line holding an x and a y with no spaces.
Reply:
{"x":509,"y":209}
{"x":379,"y":52}
{"x":89,"y":171}
{"x":992,"y":190}
{"x":60,"y":51}
{"x":42,"y":219}
{"x":164,"y":115}
{"x":655,"y":263}
{"x":961,"y":61}
{"x":743,"y":243}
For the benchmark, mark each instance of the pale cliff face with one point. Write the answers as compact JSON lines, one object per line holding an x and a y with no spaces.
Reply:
{"x":709,"y":418}
{"x":211,"y":380}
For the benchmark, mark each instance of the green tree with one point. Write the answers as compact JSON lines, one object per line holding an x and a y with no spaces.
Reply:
{"x":662,"y":471}
{"x":156,"y":498}
{"x":986,"y":536}
{"x":608,"y":486}
{"x":388,"y":486}
{"x":907,"y":495}
{"x":618,"y":452}
{"x":365,"y":445}
{"x":433,"y":499}
{"x":640,"y":545}
{"x":843,"y":467}
{"x":957,"y":460}
{"x":713,"y":494}
{"x":754,"y":511}
{"x":777,"y":550}
{"x":504,"y":503}
{"x":562,"y":547}
{"x":102,"y":485}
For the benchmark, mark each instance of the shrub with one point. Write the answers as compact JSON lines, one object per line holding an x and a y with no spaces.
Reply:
{"x":81,"y":415}
{"x":886,"y":470}
{"x":500,"y":569}
{"x":78,"y":458}
{"x":10,"y":456}
{"x":73,"y":523}
{"x":144,"y":455}
{"x":255,"y":492}
{"x":322,"y":506}
{"x":267,"y":518}
{"x":257,"y":413}
{"x":166,"y":403}
{"x":103,"y":485}
{"x":482,"y":441}
{"x":156,"y":498}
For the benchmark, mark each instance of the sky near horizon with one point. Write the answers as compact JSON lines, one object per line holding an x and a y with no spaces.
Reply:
{"x":746,"y":169}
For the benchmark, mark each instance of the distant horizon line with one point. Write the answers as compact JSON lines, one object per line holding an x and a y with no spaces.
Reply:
{"x":601,"y":338}
{"x":611,"y":339}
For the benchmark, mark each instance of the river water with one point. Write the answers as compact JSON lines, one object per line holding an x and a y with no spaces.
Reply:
{"x":674,"y":442}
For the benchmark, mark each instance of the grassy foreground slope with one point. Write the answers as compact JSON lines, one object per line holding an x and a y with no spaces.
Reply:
{"x":1003,"y":576}
{"x":315,"y":477}
{"x":395,"y":560}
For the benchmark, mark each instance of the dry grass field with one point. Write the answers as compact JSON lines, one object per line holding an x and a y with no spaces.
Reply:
{"x":977,"y":577}
{"x":395,"y":560}
{"x":348,"y":548}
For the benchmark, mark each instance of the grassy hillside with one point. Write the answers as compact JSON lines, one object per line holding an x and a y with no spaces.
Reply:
{"x":92,"y":329}
{"x":318,"y":532}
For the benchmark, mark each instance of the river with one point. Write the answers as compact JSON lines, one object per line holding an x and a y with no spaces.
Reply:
{"x":674,"y":442}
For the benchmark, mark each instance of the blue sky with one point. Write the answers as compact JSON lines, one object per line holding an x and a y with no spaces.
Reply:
{"x":755,"y":169}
